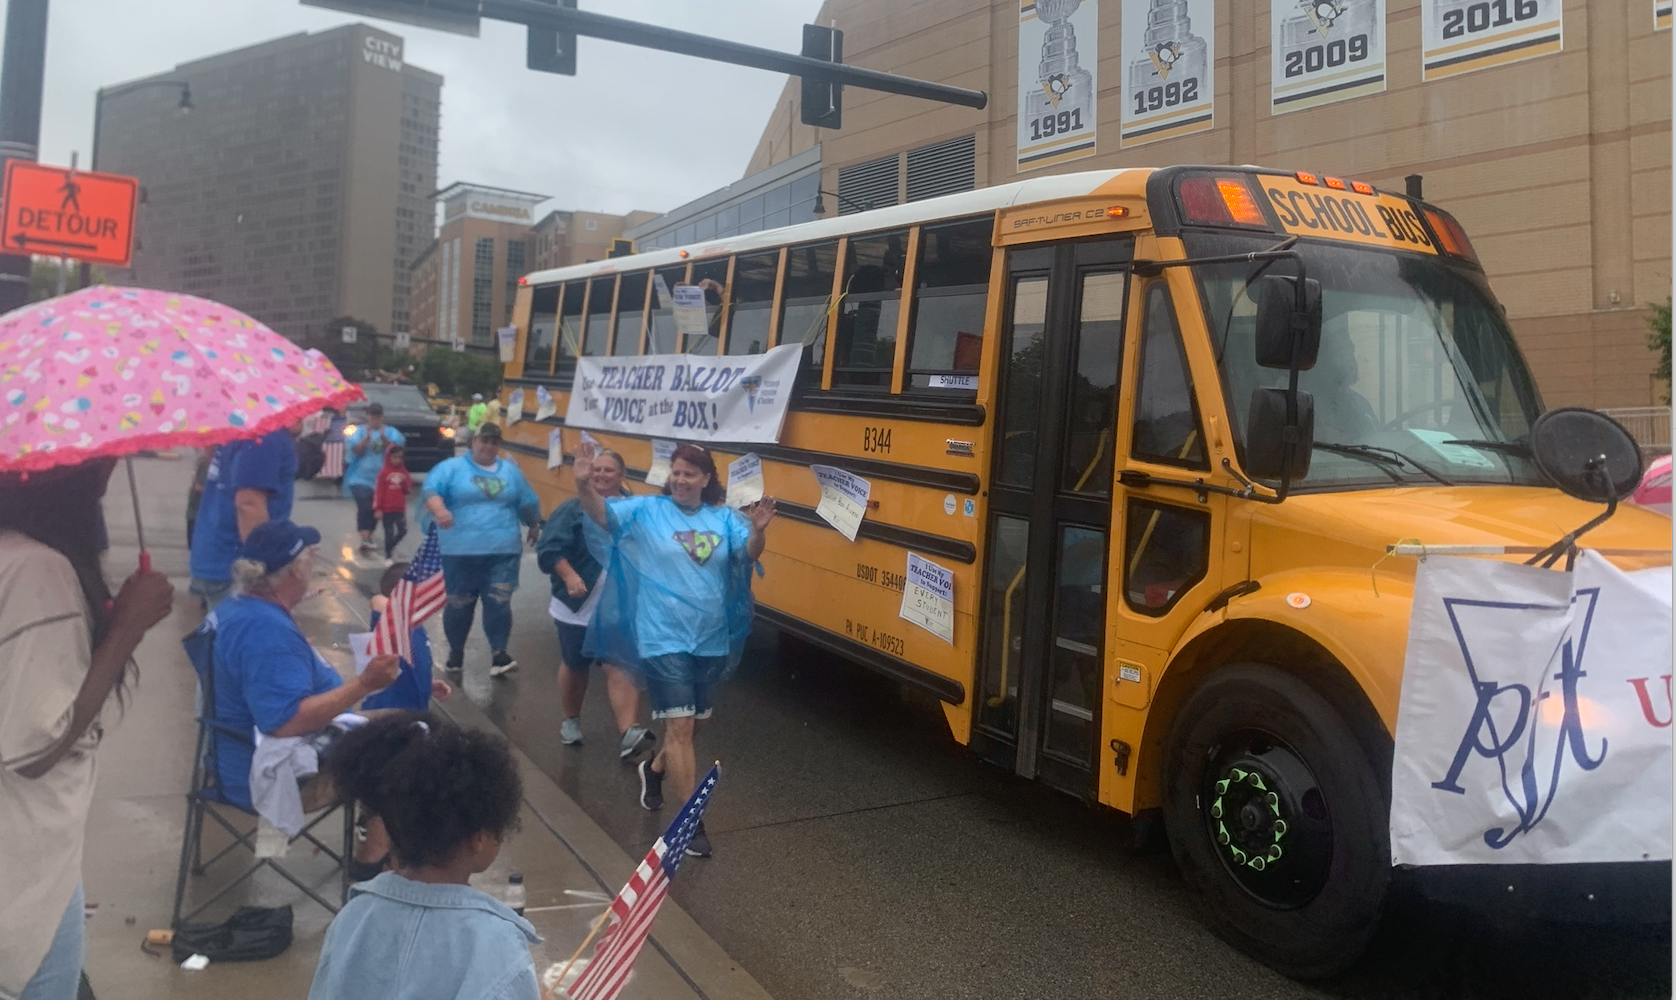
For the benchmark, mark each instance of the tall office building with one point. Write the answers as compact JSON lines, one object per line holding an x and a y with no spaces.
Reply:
{"x":296,"y":188}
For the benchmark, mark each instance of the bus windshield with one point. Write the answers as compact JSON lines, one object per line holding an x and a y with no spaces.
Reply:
{"x":1418,"y":379}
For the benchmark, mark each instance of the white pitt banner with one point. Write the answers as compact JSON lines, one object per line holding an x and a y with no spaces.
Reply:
{"x":1169,"y":69}
{"x":686,"y":396}
{"x":1535,"y":714}
{"x":1058,"y":57}
{"x":1324,"y":51}
{"x":1459,"y":36}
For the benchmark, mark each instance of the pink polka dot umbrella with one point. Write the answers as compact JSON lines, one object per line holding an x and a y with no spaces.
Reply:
{"x":107,"y":372}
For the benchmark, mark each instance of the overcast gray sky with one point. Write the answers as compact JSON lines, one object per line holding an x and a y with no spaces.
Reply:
{"x":634,"y":129}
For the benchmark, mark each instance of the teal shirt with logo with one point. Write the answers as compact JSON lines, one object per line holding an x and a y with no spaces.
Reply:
{"x":489,"y":506}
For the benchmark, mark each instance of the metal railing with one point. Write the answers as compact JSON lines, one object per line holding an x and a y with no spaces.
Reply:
{"x":1649,"y":425}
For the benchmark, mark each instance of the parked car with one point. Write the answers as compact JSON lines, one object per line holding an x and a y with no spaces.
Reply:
{"x":407,"y":410}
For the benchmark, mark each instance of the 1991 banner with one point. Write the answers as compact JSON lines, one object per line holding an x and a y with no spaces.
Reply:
{"x":686,"y":396}
{"x":1058,"y":56}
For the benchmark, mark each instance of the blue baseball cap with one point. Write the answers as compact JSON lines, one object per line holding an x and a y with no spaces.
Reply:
{"x":275,"y":543}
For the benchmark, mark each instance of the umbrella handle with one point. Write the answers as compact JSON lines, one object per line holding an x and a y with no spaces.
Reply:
{"x":139,"y":529}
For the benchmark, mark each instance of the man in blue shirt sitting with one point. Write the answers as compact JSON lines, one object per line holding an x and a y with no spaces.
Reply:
{"x":248,"y":482}
{"x":267,"y":676}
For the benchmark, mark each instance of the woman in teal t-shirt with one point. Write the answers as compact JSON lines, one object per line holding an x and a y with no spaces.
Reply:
{"x":678,"y":601}
{"x":479,"y":500}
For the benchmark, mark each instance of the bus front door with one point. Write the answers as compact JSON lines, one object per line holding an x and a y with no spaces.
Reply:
{"x":1049,"y":509}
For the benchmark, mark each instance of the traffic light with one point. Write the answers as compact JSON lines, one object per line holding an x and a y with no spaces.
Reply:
{"x":621,"y":248}
{"x":459,"y":16}
{"x":823,"y":102}
{"x":552,"y":51}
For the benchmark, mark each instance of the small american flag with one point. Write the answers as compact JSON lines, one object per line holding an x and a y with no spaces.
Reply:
{"x":637,"y":905}
{"x":417,"y":595}
{"x":331,"y":464}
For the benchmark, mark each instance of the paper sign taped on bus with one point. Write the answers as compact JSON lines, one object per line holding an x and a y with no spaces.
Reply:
{"x":514,"y":407}
{"x":658,"y":474}
{"x":1381,"y":220}
{"x":744,"y":480}
{"x":555,"y":448}
{"x":690,"y":319}
{"x":843,"y":499}
{"x":544,"y":404}
{"x":928,"y":597}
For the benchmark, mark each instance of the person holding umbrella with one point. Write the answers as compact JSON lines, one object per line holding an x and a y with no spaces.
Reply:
{"x":108,"y":372}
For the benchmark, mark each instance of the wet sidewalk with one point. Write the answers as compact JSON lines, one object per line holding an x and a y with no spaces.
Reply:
{"x":571,"y":867}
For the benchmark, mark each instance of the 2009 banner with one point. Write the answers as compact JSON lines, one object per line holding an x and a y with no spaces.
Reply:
{"x":1534,"y":723}
{"x":686,"y":396}
{"x":1325,"y":51}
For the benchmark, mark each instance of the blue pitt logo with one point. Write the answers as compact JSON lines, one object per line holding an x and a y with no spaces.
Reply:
{"x":751,"y":383}
{"x":1517,"y":731}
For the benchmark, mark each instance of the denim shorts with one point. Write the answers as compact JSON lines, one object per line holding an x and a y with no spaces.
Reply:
{"x":673,"y":684}
{"x":570,"y":645}
{"x":477,"y":576}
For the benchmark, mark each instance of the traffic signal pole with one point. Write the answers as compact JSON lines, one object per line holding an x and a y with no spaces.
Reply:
{"x":650,"y":36}
{"x":22,"y":73}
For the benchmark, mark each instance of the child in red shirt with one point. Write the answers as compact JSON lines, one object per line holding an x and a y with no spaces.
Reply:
{"x":389,"y":498}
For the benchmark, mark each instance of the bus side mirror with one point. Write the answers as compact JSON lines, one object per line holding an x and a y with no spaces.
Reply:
{"x":1270,"y":441}
{"x":1278,"y":318}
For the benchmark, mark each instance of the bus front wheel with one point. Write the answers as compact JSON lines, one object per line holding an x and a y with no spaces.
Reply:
{"x":1276,"y":817}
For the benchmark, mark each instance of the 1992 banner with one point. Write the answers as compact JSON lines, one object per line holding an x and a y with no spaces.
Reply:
{"x":1169,"y":64}
{"x":686,"y":396}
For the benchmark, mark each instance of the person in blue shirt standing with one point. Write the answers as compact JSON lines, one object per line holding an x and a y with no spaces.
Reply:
{"x":479,"y":499}
{"x":365,"y":458}
{"x":677,"y":602}
{"x":248,"y":483}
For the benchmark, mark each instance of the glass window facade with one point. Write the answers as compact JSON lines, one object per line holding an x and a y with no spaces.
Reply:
{"x":784,"y":204}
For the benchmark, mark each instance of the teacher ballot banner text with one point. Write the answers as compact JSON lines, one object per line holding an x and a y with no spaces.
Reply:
{"x":686,"y":396}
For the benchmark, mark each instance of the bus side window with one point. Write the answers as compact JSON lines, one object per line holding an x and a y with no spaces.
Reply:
{"x":1167,"y":427}
{"x":951,"y":297}
{"x":804,"y":300}
{"x":631,"y":302}
{"x":661,"y":333}
{"x":716,"y":271}
{"x":866,"y":348}
{"x":1165,"y":551}
{"x":601,"y":293}
{"x":544,"y":315}
{"x":752,"y":302}
{"x":569,"y":337}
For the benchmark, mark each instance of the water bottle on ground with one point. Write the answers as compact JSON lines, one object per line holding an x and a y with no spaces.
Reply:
{"x":514,"y":894}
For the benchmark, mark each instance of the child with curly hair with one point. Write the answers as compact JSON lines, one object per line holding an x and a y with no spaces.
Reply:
{"x":448,"y":798}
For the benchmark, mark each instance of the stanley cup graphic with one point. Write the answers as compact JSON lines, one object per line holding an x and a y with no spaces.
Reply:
{"x":1065,"y":85}
{"x":1172,"y":51}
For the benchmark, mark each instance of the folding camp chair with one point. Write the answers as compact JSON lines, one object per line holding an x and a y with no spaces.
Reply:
{"x":205,"y":799}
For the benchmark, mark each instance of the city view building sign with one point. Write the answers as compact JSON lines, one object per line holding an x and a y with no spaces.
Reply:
{"x":383,"y":52}
{"x":59,"y":212}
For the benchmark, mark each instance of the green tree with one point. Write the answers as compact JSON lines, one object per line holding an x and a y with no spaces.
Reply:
{"x":43,"y":277}
{"x":1659,"y":341}
{"x":369,"y":354}
{"x":459,"y":373}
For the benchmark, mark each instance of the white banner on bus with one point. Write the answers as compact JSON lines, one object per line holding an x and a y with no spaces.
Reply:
{"x":1459,"y":36}
{"x":1169,"y":59}
{"x":1535,"y":714}
{"x":1325,"y":51}
{"x":686,"y":396}
{"x":1058,"y":58}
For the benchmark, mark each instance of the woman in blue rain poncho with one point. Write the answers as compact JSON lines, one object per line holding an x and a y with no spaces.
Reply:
{"x":677,"y":604}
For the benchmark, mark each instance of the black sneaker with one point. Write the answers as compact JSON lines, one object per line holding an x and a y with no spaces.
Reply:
{"x":651,"y":787}
{"x":502,"y":663}
{"x":699,"y":846}
{"x":456,"y":660}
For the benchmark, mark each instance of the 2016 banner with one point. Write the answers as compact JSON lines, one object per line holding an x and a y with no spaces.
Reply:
{"x":1534,"y":721}
{"x":1459,"y":36}
{"x":690,"y":397}
{"x":1169,"y":59}
{"x":1325,"y":51}
{"x":1661,"y":15}
{"x":1058,"y":57}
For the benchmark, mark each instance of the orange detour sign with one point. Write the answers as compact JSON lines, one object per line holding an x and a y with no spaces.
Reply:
{"x":71,"y":213}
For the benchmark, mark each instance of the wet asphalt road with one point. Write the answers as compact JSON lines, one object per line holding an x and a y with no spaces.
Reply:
{"x":861,"y":852}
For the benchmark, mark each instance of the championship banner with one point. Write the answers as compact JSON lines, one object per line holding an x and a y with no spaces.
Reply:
{"x":1535,"y":713}
{"x":1325,"y":51}
{"x":1661,"y":15}
{"x":1170,"y":53}
{"x":1058,"y":57}
{"x":689,"y":397}
{"x":1459,"y":36}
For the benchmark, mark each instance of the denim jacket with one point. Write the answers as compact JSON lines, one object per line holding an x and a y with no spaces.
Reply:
{"x":403,"y":940}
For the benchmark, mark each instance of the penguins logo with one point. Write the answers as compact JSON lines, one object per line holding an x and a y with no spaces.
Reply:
{"x":1056,"y":87}
{"x":1322,"y":13}
{"x":1164,"y":56}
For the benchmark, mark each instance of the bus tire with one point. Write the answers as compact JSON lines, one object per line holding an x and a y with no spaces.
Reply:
{"x":1276,"y":817}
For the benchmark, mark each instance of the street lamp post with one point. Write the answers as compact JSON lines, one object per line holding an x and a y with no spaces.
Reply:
{"x":820,"y":203}
{"x":21,"y":78}
{"x":184,"y":107}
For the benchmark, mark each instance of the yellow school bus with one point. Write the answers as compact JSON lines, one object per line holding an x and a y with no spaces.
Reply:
{"x":1164,"y":427}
